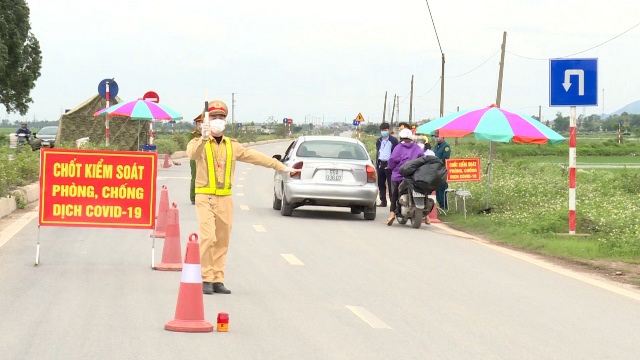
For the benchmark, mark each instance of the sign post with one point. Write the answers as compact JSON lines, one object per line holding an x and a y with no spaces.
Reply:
{"x":573,"y":82}
{"x":107,"y":88}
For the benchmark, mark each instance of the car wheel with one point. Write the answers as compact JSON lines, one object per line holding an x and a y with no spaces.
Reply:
{"x":356,"y":210}
{"x":416,"y":220}
{"x":370,"y":213}
{"x":276,"y":202}
{"x":286,"y":209}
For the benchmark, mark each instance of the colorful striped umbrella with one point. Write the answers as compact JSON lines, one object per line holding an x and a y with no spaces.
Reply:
{"x":492,"y":124}
{"x":140,"y":110}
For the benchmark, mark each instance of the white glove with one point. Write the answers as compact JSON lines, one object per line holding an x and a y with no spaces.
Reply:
{"x":205,"y":128}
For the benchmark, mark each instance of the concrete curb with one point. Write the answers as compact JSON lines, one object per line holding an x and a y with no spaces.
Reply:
{"x":28,"y":194}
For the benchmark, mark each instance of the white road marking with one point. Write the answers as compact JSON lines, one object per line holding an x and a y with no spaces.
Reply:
{"x":259,"y":228}
{"x":244,"y":207}
{"x":239,"y":185}
{"x":10,"y":231}
{"x":292,"y":259}
{"x":240,"y":194}
{"x":620,"y":289}
{"x":244,"y":173}
{"x":368,"y":317}
{"x":240,"y":178}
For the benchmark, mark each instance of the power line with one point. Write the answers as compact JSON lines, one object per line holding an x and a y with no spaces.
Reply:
{"x":434,"y":27}
{"x":580,"y":52}
{"x":476,"y":68}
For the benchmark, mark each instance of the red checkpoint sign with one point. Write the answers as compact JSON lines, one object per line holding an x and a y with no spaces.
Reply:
{"x":289,"y":121}
{"x":95,"y":188}
{"x":151,"y":96}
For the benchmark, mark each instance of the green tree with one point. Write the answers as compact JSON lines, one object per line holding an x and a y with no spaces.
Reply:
{"x":561,"y":123}
{"x":20,"y":56}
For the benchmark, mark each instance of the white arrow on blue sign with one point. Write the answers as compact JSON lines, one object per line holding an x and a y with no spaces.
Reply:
{"x":573,"y":82}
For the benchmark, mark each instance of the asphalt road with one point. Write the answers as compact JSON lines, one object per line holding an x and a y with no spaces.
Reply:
{"x":322,"y":284}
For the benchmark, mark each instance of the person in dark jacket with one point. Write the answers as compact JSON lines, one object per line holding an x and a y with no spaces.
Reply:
{"x":384,"y":146}
{"x":405,"y":151}
{"x":443,"y":152}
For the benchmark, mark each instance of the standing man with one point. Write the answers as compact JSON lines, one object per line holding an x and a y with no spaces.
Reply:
{"x":192,"y":163}
{"x":443,"y":152}
{"x":215,"y":156}
{"x":384,"y":147}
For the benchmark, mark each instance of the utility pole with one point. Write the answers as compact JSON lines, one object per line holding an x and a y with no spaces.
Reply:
{"x":498,"y":99}
{"x":397,"y":109}
{"x":233,"y":106}
{"x":442,"y":89}
{"x":539,"y":118}
{"x":393,"y":109}
{"x":384,"y":112}
{"x":411,"y":103}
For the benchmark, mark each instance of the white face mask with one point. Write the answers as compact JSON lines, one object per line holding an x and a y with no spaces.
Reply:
{"x":217,"y":125}
{"x":421,"y":146}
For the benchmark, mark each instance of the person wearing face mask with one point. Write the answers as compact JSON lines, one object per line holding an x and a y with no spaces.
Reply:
{"x":405,"y":151}
{"x":425,"y":146}
{"x":384,"y":146}
{"x":215,"y":156}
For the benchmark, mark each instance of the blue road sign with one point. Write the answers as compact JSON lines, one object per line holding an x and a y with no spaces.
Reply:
{"x":285,"y":120}
{"x":113,"y":89}
{"x":573,"y":82}
{"x":356,"y":123}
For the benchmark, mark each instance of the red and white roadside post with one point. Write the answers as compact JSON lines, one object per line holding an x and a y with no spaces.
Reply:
{"x":106,"y":117}
{"x":572,"y":171}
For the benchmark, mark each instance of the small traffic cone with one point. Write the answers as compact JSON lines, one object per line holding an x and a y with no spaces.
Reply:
{"x":171,"y":253}
{"x":166,"y":164}
{"x":163,"y":213}
{"x":433,"y":215}
{"x":190,"y":308}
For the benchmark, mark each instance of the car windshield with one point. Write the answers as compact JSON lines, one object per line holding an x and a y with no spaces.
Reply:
{"x":332,"y":150}
{"x":48,"y":131}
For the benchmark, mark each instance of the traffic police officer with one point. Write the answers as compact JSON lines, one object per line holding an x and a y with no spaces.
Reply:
{"x":215,"y":156}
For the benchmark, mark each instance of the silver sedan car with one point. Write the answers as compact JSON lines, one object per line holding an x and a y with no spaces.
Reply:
{"x":335,"y":171}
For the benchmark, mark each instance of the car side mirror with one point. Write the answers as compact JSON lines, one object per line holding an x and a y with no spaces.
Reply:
{"x":277,"y":157}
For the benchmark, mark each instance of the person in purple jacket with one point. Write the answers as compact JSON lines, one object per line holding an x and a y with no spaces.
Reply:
{"x":405,"y":150}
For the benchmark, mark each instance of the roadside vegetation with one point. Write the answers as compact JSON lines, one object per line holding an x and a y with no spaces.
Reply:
{"x":529,"y":195}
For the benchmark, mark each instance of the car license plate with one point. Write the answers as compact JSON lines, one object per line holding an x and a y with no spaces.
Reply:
{"x":333,"y":175}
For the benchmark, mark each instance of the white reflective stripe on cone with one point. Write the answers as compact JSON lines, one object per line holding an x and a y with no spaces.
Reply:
{"x":191,"y":274}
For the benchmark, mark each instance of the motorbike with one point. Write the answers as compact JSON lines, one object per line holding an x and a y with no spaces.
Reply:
{"x":412,"y":205}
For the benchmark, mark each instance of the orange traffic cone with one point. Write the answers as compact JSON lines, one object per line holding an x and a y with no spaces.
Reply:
{"x":163,"y":212}
{"x":433,"y":215}
{"x":166,"y":164}
{"x":190,"y":308}
{"x":171,"y":253}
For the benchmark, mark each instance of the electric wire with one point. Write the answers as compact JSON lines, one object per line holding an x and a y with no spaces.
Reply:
{"x":434,"y":28}
{"x":580,"y":52}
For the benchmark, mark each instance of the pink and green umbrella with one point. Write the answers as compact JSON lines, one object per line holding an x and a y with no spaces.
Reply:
{"x":140,"y":110}
{"x":492,"y":124}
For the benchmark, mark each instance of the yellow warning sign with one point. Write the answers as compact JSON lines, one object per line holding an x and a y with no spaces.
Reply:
{"x":359,"y":118}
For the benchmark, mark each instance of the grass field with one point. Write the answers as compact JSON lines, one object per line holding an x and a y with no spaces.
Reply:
{"x":529,"y":197}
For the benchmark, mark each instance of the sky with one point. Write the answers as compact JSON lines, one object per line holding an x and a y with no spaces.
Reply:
{"x":315,"y":61}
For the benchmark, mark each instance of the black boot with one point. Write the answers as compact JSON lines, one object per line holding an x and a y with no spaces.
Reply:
{"x":207,"y":288}
{"x":219,"y":288}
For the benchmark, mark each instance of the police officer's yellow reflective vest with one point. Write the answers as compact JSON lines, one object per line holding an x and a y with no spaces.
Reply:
{"x":212,"y":189}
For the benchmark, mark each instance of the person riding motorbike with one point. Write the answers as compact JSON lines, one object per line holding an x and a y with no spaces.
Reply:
{"x":23,"y":133}
{"x":405,"y":150}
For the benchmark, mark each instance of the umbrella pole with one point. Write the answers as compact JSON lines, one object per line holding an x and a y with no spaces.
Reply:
{"x":139,"y":134}
{"x":488,"y":183}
